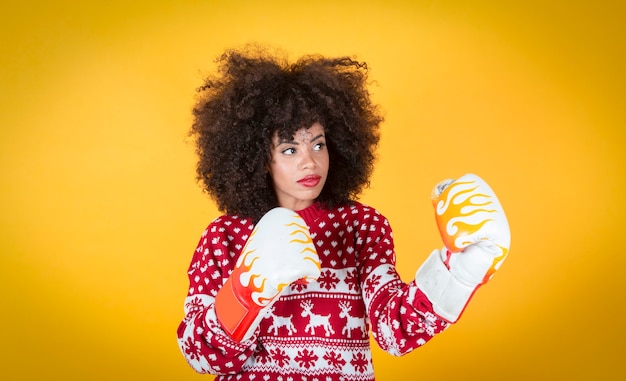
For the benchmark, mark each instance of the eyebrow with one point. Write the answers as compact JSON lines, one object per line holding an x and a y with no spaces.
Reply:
{"x":296,"y":143}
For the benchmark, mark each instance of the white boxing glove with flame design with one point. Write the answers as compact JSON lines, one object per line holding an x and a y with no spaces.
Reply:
{"x":279,"y":251}
{"x":476,"y":235}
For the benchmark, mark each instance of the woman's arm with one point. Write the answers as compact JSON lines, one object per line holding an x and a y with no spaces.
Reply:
{"x":401,"y":316}
{"x":204,"y":344}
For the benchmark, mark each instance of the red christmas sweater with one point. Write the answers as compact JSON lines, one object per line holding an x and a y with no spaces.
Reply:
{"x":316,"y":331}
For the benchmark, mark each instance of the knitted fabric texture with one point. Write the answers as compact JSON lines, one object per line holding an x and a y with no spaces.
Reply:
{"x":316,"y":331}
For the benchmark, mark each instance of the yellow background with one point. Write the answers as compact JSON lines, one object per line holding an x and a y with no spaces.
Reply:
{"x":101,"y":212}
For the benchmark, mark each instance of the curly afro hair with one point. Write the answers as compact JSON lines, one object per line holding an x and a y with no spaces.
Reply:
{"x":256,"y":95}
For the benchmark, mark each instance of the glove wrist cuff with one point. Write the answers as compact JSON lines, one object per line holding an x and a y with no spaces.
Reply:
{"x":448,"y":295}
{"x":238,"y":318}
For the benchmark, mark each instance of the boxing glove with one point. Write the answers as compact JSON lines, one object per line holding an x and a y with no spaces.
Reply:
{"x":476,"y":236}
{"x":278,"y":252}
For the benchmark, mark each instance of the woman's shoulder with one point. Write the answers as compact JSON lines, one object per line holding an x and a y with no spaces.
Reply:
{"x":358,"y":211}
{"x":361,"y":208}
{"x":228,"y":223}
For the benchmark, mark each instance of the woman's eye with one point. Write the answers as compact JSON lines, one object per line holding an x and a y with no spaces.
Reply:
{"x":289,"y":151}
{"x":319,"y":146}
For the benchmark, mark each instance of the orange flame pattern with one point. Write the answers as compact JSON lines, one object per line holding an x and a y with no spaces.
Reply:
{"x":253,"y":271}
{"x":496,"y":264}
{"x":459,"y":216}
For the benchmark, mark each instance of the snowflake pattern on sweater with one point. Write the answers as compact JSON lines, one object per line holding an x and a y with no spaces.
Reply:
{"x":316,"y":331}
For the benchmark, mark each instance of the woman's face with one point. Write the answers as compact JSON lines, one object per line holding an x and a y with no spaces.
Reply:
{"x":299,"y":167}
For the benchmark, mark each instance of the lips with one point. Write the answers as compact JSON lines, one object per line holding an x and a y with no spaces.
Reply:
{"x":310,"y":181}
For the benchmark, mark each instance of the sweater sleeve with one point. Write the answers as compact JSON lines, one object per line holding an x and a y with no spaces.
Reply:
{"x":204,"y":344}
{"x":401,"y":316}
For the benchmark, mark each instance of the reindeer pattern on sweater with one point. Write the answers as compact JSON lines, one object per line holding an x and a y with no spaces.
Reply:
{"x":315,"y":331}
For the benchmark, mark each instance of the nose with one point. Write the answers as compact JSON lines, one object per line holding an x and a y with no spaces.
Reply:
{"x":308,"y":161}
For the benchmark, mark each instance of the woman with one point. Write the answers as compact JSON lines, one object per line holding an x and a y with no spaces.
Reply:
{"x":284,"y":144}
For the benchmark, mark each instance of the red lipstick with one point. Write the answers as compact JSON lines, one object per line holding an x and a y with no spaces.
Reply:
{"x":310,"y":180}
